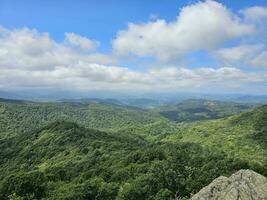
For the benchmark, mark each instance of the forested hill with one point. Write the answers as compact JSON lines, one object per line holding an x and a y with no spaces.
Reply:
{"x":200,"y":109}
{"x":243,"y":135}
{"x":66,"y":161}
{"x":81,"y":151}
{"x":19,"y":116}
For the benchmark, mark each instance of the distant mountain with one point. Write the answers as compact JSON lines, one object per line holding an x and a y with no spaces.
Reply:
{"x":25,"y":115}
{"x":145,"y":103}
{"x":141,"y":100}
{"x":93,"y":100}
{"x":12,"y":100}
{"x":9,"y":95}
{"x":200,"y":109}
{"x":251,"y":99}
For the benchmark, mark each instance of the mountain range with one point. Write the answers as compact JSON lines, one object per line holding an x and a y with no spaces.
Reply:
{"x":91,"y":149}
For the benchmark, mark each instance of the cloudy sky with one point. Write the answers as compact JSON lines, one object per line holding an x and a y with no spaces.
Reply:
{"x":128,"y":46}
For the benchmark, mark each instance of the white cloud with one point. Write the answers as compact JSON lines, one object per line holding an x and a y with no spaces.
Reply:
{"x":257,"y":16}
{"x":89,"y":76}
{"x":255,"y":13}
{"x":242,"y":54}
{"x":31,"y":59}
{"x":82,"y":43}
{"x":203,"y":25}
{"x":28,"y":48}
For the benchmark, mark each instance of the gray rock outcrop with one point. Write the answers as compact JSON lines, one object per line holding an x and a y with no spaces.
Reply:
{"x":243,"y":185}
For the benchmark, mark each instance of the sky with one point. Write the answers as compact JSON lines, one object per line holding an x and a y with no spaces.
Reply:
{"x":134,"y":46}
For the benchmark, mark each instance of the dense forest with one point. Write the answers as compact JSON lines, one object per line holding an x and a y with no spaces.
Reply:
{"x":108,"y":151}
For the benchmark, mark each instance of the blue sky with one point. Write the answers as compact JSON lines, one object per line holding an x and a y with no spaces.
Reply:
{"x":164,"y":48}
{"x":98,"y":19}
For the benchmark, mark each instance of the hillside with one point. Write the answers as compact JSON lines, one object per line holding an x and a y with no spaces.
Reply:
{"x":242,"y":136}
{"x":101,"y":151}
{"x":59,"y":152}
{"x":66,"y":161}
{"x":200,"y":109}
{"x":20,"y":116}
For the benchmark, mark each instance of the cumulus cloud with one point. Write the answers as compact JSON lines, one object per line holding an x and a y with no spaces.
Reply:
{"x":257,"y":15}
{"x":82,"y":43}
{"x":242,"y":54}
{"x":28,"y":48}
{"x":203,"y":25}
{"x":89,"y":76}
{"x":32,"y":59}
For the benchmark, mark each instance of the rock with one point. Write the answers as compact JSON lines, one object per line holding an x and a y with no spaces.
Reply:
{"x":243,"y":185}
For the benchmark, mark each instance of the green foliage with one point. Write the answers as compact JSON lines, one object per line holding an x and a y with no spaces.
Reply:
{"x":258,"y":120}
{"x":163,"y":194}
{"x":50,"y":151}
{"x":66,"y":161}
{"x":29,"y":185}
{"x":241,"y":136}
{"x":17,"y":117}
{"x":15,"y":197}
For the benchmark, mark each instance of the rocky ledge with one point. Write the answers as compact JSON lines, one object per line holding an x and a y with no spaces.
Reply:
{"x":243,"y":185}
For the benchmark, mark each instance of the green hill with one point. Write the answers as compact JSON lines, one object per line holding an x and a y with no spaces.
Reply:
{"x":242,"y":136}
{"x":66,"y":161}
{"x":58,"y":154}
{"x":81,"y":151}
{"x":200,"y":109}
{"x":21,"y":116}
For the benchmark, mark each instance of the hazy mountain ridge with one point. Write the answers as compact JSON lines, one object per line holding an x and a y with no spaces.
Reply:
{"x":201,"y":109}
